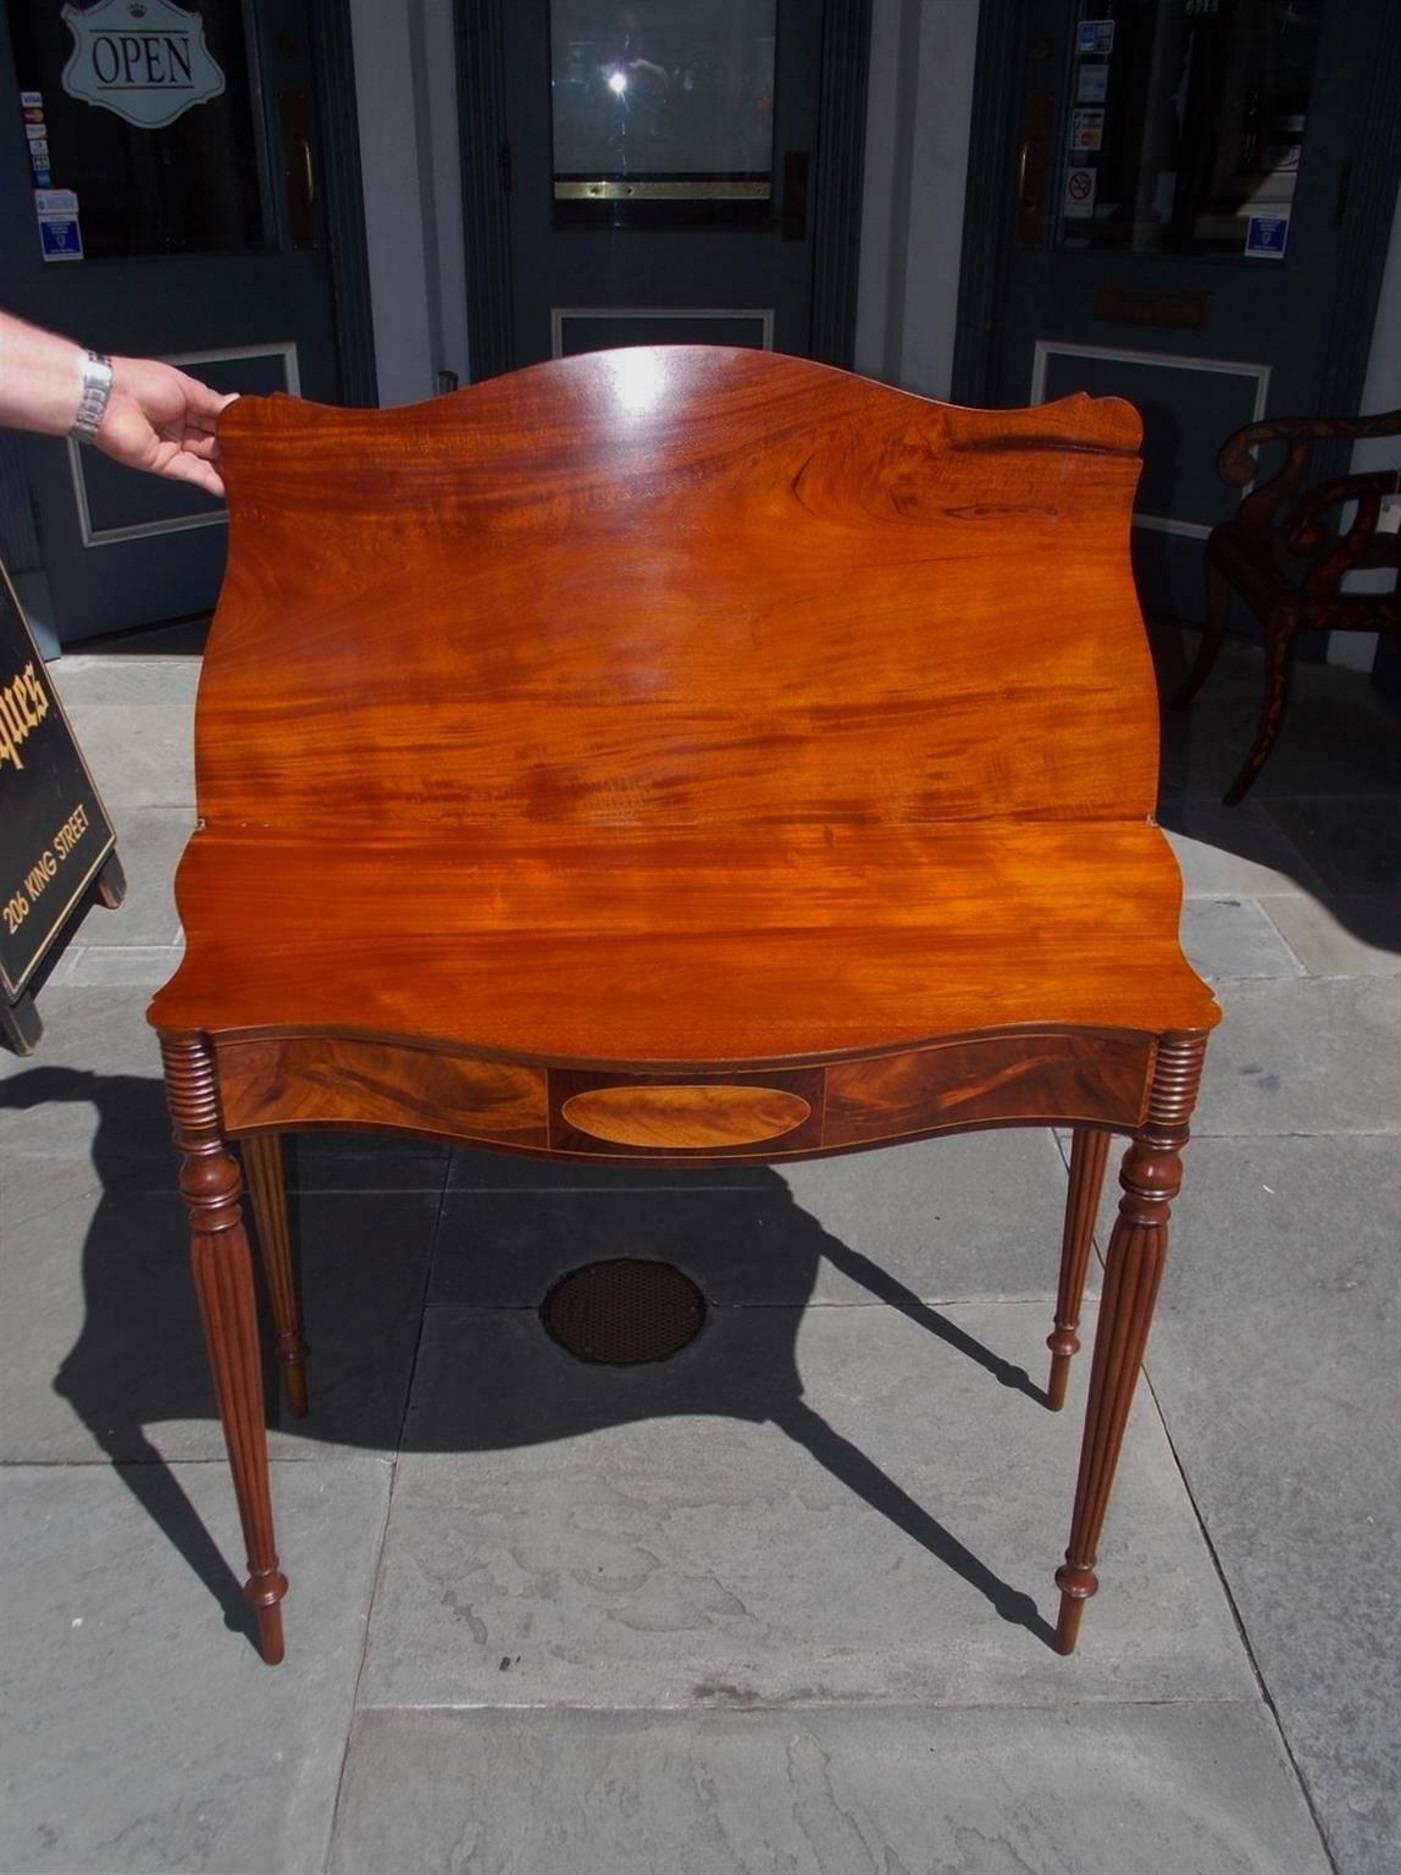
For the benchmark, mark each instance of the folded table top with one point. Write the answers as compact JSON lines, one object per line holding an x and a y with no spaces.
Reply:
{"x":681,"y":705}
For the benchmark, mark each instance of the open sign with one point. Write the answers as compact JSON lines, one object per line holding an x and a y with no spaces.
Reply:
{"x":144,"y":59}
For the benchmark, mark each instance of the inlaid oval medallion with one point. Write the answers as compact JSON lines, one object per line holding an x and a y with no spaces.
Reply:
{"x":688,"y":1119}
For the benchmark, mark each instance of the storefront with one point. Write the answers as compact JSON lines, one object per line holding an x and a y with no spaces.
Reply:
{"x":369,"y":202}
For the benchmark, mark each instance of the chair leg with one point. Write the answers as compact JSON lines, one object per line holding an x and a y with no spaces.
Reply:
{"x":1088,"y":1153}
{"x":1218,"y":612}
{"x":223,"y":1272}
{"x":262,"y":1161}
{"x":1279,"y":658}
{"x":1151,"y":1176}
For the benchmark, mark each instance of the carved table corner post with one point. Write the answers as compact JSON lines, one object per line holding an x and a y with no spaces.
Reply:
{"x":210,"y":1184}
{"x":1151,"y":1176}
{"x":1089,"y":1152}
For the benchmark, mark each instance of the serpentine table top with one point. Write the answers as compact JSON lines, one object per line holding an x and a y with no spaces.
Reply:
{"x":677,"y":753}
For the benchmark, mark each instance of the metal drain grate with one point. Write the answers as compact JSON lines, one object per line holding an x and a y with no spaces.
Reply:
{"x":625,"y":1310}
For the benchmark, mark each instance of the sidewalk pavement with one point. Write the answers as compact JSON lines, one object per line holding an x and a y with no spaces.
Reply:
{"x":779,"y":1604}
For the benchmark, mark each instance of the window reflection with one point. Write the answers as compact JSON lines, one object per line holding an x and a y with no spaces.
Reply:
{"x":187,"y":186}
{"x":1186,"y":124}
{"x":672,"y":99}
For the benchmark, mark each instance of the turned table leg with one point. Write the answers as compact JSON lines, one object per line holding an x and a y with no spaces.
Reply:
{"x":262,"y":1162}
{"x":1150,"y":1176}
{"x":223,"y":1272}
{"x":1088,"y":1153}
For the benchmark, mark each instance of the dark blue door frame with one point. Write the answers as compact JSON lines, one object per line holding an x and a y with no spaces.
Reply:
{"x":486,"y":181}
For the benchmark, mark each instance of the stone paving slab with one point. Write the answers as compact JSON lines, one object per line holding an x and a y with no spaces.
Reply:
{"x":150,"y":841}
{"x":1229,"y":938}
{"x":1095,"y":1790}
{"x":1304,"y":1056}
{"x":1226,"y":851}
{"x":124,"y":681}
{"x":142,"y":967}
{"x":94,"y":1088}
{"x":140,"y":755}
{"x":973,"y":1215}
{"x":1354,"y":844}
{"x":1353,"y":935}
{"x":1275,"y":1361}
{"x":1339,"y":734}
{"x":842,"y":1504}
{"x":102,"y":1354}
{"x":139,"y":1732}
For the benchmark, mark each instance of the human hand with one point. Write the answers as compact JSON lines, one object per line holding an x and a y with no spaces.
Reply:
{"x":160,"y":420}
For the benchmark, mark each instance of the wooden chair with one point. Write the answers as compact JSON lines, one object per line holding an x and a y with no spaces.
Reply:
{"x":678,"y":755}
{"x":1287,"y":562}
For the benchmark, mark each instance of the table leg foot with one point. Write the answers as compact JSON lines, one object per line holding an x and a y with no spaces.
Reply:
{"x":223,"y":1271}
{"x":1150,"y":1176}
{"x":1076,"y":1587}
{"x":270,"y":1642}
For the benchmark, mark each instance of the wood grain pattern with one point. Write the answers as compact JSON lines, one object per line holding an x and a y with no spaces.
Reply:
{"x":1151,"y":1177}
{"x":685,"y":949}
{"x":223,"y":1273}
{"x":688,"y":1118}
{"x":1011,"y":1078}
{"x":678,"y":717}
{"x":1088,"y":1154}
{"x":302,"y":1082}
{"x":267,"y":1192}
{"x":1022,"y":1077}
{"x":811,"y":611}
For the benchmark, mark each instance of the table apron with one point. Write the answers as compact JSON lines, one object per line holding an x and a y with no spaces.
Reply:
{"x":1072,"y":1077}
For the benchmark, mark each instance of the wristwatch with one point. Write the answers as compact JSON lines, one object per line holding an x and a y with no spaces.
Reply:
{"x":97,"y":388}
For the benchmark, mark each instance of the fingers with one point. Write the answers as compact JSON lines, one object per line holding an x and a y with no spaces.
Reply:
{"x":202,"y":404}
{"x":202,"y":443}
{"x":184,"y":467}
{"x":127,"y":437}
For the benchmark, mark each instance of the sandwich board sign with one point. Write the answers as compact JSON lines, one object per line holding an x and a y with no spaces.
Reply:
{"x":57,"y":846}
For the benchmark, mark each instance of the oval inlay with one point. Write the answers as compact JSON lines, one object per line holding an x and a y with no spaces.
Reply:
{"x":686,"y":1118}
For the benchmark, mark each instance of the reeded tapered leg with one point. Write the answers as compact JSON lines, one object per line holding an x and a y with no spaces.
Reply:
{"x":262,"y":1161}
{"x":1151,"y":1176}
{"x":223,"y":1271}
{"x":1279,"y":658}
{"x":1088,"y":1152}
{"x":1218,"y":613}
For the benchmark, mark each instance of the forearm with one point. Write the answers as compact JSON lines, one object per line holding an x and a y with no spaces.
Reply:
{"x":41,"y":378}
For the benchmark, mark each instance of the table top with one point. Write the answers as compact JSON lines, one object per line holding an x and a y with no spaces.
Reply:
{"x":678,"y":705}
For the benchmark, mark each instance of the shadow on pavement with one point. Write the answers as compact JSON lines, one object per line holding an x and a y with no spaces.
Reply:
{"x":138,"y":1360}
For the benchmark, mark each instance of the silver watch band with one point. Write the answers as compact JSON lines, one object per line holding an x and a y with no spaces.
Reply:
{"x":97,"y":388}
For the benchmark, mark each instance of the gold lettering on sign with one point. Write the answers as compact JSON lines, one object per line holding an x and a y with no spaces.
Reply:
{"x":63,"y":844}
{"x":24,"y":703}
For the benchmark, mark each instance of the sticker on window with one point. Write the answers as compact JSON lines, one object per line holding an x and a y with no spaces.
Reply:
{"x":1267,"y":236}
{"x":1086,"y":130}
{"x":1079,"y":204}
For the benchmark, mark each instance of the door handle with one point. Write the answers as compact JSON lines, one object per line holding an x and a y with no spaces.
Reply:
{"x":298,"y":168}
{"x":795,"y":195}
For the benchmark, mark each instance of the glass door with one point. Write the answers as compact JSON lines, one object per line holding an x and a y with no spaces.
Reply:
{"x":1184,"y":172}
{"x":168,"y":176}
{"x":661,"y":161}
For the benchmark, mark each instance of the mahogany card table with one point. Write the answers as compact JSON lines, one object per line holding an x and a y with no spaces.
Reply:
{"x":678,"y":755}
